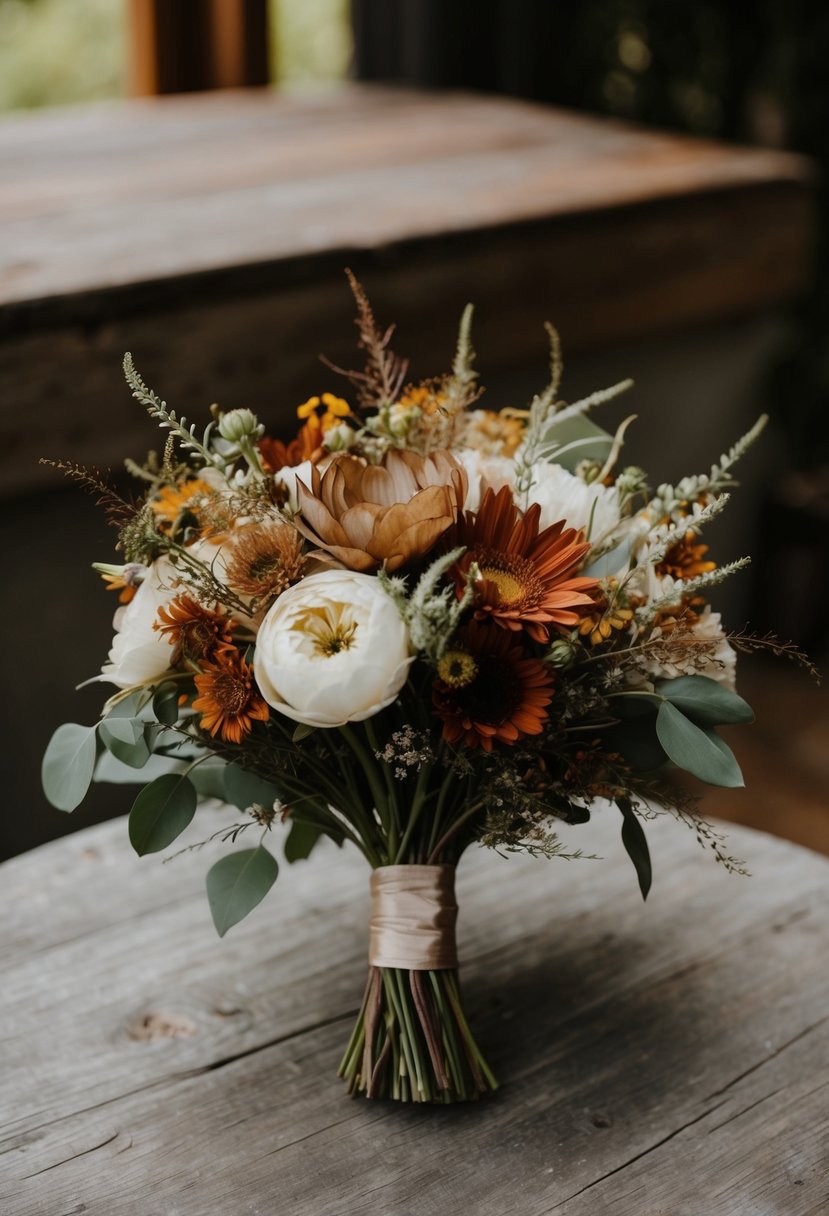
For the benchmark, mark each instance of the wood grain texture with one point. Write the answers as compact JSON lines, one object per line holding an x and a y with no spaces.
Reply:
{"x":660,"y":1060}
{"x":209,"y":234}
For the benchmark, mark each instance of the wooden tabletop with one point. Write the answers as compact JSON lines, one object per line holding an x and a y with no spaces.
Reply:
{"x":659,"y":1060}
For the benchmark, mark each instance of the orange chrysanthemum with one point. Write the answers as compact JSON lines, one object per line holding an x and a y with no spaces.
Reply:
{"x":685,"y":559}
{"x":228,"y":700}
{"x":170,"y":501}
{"x":194,"y":631}
{"x":489,"y":690}
{"x":263,"y":559}
{"x":526,"y":576}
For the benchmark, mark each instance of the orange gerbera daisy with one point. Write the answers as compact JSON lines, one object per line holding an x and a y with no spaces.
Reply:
{"x":228,"y":700}
{"x":194,"y":631}
{"x":526,"y":576}
{"x":170,"y":501}
{"x":489,"y":690}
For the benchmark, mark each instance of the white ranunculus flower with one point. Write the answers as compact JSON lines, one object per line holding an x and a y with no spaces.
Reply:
{"x":495,"y":471}
{"x":140,"y":653}
{"x":562,"y":495}
{"x":332,"y":649}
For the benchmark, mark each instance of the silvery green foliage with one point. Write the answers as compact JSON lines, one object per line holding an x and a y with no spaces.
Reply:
{"x":690,"y":586}
{"x":167,"y":418}
{"x":432,"y":611}
{"x":666,"y":535}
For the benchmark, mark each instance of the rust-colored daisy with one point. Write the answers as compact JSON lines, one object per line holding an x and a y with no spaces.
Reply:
{"x":488,"y":690}
{"x":171,"y":501}
{"x":228,"y":700}
{"x":685,"y":559}
{"x":526,"y":576}
{"x":194,"y":631}
{"x":263,"y":559}
{"x":367,"y":515}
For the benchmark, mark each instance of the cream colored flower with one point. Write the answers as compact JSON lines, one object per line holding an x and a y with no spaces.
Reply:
{"x":332,"y":649}
{"x":591,"y":507}
{"x":139,"y":652}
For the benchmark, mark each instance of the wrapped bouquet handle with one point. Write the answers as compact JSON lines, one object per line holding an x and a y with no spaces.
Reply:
{"x":412,"y":1039}
{"x":413,"y":915}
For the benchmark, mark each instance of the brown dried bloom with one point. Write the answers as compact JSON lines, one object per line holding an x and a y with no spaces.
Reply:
{"x":391,"y":514}
{"x":263,"y":559}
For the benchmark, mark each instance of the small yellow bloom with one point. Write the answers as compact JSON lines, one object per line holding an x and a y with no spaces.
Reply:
{"x":308,"y":407}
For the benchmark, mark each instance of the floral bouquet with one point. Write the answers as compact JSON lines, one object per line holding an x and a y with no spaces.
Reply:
{"x":416,"y":626}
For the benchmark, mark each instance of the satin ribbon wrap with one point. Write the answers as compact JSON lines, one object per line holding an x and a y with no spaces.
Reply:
{"x":413,"y":914}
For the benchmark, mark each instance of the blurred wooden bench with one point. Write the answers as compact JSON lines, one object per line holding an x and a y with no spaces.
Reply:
{"x":208,"y":234}
{"x":656,"y":1060}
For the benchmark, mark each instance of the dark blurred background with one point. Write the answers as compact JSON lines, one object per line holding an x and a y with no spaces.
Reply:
{"x":744,"y":74}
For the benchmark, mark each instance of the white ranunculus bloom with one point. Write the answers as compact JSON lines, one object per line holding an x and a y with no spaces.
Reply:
{"x":140,"y":653}
{"x":495,"y":471}
{"x":332,"y":649}
{"x":562,"y":495}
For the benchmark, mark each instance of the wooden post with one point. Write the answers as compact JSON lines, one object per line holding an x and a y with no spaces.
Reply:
{"x":184,"y":46}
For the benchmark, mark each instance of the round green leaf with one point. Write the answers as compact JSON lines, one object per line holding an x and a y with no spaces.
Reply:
{"x":300,"y":841}
{"x":68,"y":765}
{"x":126,"y":739}
{"x":161,"y":812}
{"x":165,"y":704}
{"x":698,"y":750}
{"x":706,"y":701}
{"x":243,"y":788}
{"x":237,"y":883}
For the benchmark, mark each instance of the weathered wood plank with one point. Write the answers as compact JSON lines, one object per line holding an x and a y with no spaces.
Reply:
{"x":209,"y":234}
{"x":657,"y":1059}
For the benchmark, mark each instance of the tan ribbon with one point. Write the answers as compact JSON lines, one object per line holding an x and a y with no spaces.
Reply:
{"x":413,"y":914}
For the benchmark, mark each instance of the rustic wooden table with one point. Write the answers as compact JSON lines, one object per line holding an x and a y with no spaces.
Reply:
{"x":668,"y":1058}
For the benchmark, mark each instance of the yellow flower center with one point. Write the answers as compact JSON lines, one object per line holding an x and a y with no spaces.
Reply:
{"x":457,"y":668}
{"x":331,"y":628}
{"x":510,"y":589}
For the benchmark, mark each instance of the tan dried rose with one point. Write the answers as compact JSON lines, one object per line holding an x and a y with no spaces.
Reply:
{"x":389,"y":514}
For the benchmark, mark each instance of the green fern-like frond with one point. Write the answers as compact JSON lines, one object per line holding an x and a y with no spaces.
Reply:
{"x":168,"y":419}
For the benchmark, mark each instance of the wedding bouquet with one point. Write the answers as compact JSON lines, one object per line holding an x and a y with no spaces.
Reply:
{"x":416,"y":625}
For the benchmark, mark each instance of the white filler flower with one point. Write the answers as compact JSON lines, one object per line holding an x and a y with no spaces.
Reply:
{"x":332,"y":649}
{"x":140,"y":653}
{"x":562,"y":495}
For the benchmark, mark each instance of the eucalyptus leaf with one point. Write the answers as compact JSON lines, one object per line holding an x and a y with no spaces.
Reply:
{"x":705,"y":700}
{"x":161,"y":812}
{"x":109,"y":769}
{"x":165,"y":704}
{"x":636,"y":845}
{"x":243,"y":788}
{"x":209,"y":779}
{"x":68,"y":765}
{"x":576,"y":438}
{"x":302,"y":731}
{"x":125,"y":738}
{"x":300,"y":841}
{"x":696,"y":749}
{"x":237,"y":883}
{"x":610,"y":563}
